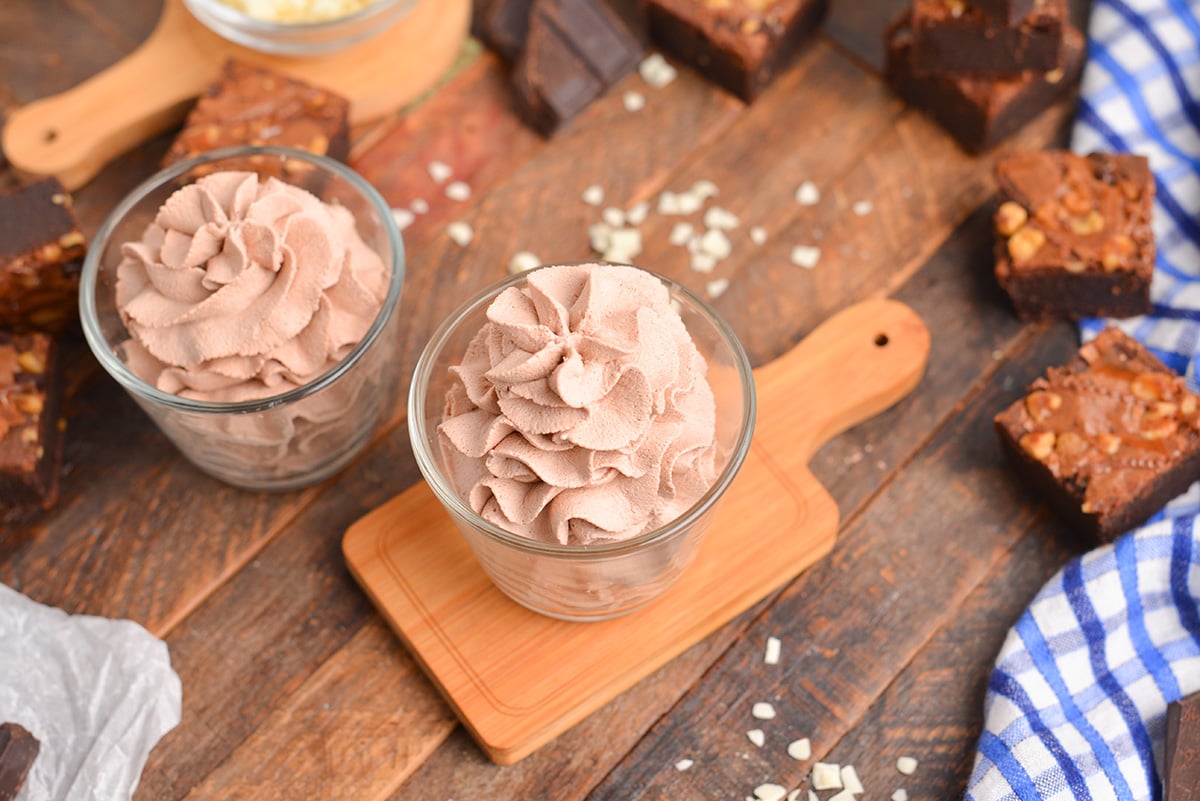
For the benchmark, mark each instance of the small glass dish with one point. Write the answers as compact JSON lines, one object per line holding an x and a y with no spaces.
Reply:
{"x":285,"y":441}
{"x":298,"y":38}
{"x":599,"y":581}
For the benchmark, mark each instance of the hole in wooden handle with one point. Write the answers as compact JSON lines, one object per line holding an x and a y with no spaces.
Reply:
{"x":881,"y":340}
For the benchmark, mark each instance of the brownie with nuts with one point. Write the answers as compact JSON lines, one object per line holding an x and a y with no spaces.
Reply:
{"x":739,"y":44}
{"x":575,"y":51}
{"x":1073,"y":234}
{"x":253,"y":105}
{"x":18,"y":751}
{"x":1181,"y":754}
{"x":978,"y":112}
{"x":30,"y":423}
{"x":1007,"y":12}
{"x":952,"y":36}
{"x":41,"y":248}
{"x":1107,"y":438}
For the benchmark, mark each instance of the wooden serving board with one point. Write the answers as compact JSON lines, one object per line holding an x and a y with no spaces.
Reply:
{"x":75,"y":133}
{"x":518,"y":679}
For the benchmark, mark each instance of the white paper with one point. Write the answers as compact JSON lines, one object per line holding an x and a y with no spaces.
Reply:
{"x":97,"y":693}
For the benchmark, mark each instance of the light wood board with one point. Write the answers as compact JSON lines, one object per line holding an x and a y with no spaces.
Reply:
{"x":518,"y":679}
{"x":74,"y":134}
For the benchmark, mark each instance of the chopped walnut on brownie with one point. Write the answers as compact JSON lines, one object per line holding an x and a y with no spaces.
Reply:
{"x":30,"y":426}
{"x":1108,"y":438}
{"x":1073,"y":235}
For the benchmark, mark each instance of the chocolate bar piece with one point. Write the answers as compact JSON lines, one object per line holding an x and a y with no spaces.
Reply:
{"x":978,"y":112}
{"x":502,"y":25}
{"x":1073,"y":234}
{"x":950,"y":36}
{"x":30,"y":425}
{"x":739,"y":44}
{"x":1108,"y":438}
{"x":252,"y":105}
{"x":575,"y":51}
{"x":18,"y":750}
{"x":1007,"y":12}
{"x":41,"y":248}
{"x":1181,"y":771}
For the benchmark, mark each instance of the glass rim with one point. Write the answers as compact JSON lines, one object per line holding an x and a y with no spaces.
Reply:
{"x":248,"y":24}
{"x":449,"y":497}
{"x":133,"y":383}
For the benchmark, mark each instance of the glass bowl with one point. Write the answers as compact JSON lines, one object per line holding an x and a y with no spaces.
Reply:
{"x":598,"y":581}
{"x":302,"y":435}
{"x":298,"y":38}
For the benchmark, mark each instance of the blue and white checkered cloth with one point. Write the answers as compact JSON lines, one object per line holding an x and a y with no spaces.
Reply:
{"x":1076,"y":703}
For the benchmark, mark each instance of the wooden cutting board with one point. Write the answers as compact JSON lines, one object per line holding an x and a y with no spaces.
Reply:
{"x":75,"y":133}
{"x":518,"y":679}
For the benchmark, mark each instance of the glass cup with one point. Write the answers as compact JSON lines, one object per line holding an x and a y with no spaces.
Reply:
{"x":299,"y":38}
{"x":599,"y":581}
{"x":289,"y":440}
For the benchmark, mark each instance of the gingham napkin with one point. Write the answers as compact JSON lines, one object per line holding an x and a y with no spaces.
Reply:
{"x":1076,"y":703}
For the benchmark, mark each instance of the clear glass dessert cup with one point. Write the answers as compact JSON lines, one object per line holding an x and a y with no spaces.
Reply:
{"x":599,"y":581}
{"x":298,"y":437}
{"x":298,"y":38}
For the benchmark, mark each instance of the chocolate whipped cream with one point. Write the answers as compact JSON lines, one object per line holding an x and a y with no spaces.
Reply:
{"x":242,"y":289}
{"x":582,"y":412}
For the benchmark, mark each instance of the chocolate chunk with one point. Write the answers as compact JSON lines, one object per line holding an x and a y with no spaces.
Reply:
{"x":1073,"y":234}
{"x":502,"y":25}
{"x":41,"y":248}
{"x":252,"y":105}
{"x":30,"y":425}
{"x":978,"y":112}
{"x":1181,"y":772}
{"x":575,"y":51}
{"x":739,"y":44}
{"x":1108,"y":438}
{"x":18,"y":750}
{"x":950,"y":36}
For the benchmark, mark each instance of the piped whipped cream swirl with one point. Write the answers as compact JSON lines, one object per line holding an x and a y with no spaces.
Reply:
{"x":242,"y":289}
{"x":581,"y":412}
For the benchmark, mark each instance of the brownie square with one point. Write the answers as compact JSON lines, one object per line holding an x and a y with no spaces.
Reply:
{"x":252,"y":105}
{"x":41,"y":248}
{"x":576,"y":50}
{"x":978,"y":112}
{"x":1107,"y":438}
{"x":1007,"y":12}
{"x":1073,"y":234}
{"x":1181,"y":755}
{"x":18,"y":751}
{"x":950,"y":36}
{"x":30,"y":423}
{"x":739,"y":44}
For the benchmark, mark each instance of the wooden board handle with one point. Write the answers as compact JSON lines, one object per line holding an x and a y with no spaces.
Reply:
{"x":854,"y":365}
{"x":73,"y":134}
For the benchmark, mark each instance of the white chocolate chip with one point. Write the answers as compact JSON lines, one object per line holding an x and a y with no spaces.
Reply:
{"x":844,"y":795}
{"x":850,"y":780}
{"x":719,"y":218}
{"x":716,"y":288}
{"x":770,"y":792}
{"x":771,"y":655}
{"x":689,"y":202}
{"x":613,"y":216}
{"x":794,"y":794}
{"x":656,"y":71}
{"x":826,"y":776}
{"x":419,"y":206}
{"x":460,"y":233}
{"x":458,"y":191}
{"x":668,"y":203}
{"x":623,"y":245}
{"x":807,"y":194}
{"x":800,"y":749}
{"x":757,"y":737}
{"x":758,"y":235}
{"x":439,"y":171}
{"x":681,"y":234}
{"x":599,"y":235}
{"x":637,"y":214}
{"x":900,"y":795}
{"x":593,"y":195}
{"x":806,"y":256}
{"x":763,"y":711}
{"x":812,"y":796}
{"x":705,"y":189}
{"x":684,"y":764}
{"x":403,"y":218}
{"x":862,"y":208}
{"x":523,"y":261}
{"x":703,"y":263}
{"x":716,"y":244}
{"x":634,"y":101}
{"x":906,"y":765}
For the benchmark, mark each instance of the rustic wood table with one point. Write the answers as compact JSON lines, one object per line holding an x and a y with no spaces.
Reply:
{"x":295,"y":688}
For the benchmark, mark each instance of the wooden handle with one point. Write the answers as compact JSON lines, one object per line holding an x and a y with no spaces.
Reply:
{"x":73,"y":134}
{"x":857,"y":363}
